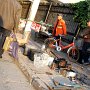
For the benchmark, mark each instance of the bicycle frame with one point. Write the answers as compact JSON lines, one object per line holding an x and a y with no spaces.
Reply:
{"x":61,"y":46}
{"x":67,"y":46}
{"x":72,"y":50}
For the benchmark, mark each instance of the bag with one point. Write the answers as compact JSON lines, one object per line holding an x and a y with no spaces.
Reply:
{"x":13,"y":50}
{"x":42,"y":60}
{"x":7,"y":43}
{"x":13,"y":47}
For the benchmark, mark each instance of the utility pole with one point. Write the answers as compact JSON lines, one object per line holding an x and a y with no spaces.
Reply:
{"x":32,"y":14}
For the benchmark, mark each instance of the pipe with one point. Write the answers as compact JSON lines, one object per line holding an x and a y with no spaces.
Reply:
{"x":48,"y":11}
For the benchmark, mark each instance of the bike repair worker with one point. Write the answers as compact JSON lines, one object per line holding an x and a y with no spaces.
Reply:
{"x":59,"y":28}
{"x":85,"y":54}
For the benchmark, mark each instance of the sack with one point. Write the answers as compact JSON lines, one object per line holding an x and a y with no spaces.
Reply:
{"x":42,"y":60}
{"x":13,"y":47}
{"x":13,"y":50}
{"x":7,"y":43}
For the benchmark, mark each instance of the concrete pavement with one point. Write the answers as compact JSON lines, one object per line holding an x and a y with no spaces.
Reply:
{"x":11,"y":78}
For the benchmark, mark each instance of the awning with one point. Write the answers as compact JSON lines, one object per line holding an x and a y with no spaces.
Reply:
{"x":70,"y":1}
{"x":26,"y":0}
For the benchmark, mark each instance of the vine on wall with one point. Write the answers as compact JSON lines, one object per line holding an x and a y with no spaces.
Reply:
{"x":80,"y":13}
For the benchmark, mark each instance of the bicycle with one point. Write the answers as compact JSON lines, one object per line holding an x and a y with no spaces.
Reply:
{"x":72,"y":52}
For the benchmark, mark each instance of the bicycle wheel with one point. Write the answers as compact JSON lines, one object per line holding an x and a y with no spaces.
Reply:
{"x":73,"y":54}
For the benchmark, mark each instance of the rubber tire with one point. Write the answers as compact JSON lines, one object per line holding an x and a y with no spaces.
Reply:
{"x":76,"y":51}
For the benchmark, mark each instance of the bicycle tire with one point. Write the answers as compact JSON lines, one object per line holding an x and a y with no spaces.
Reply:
{"x":73,"y":54}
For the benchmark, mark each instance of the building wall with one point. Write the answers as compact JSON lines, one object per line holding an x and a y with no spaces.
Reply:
{"x":25,"y":8}
{"x":56,"y":9}
{"x":65,"y":11}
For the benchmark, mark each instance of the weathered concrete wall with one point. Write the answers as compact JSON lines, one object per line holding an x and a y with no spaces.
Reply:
{"x":25,"y":9}
{"x":62,"y":9}
{"x":56,"y":9}
{"x":66,"y":12}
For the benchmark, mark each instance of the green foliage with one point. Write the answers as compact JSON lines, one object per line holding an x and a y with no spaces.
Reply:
{"x":80,"y":13}
{"x":88,"y":1}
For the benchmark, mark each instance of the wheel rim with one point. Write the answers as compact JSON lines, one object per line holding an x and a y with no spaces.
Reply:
{"x":58,"y":48}
{"x":73,"y":54}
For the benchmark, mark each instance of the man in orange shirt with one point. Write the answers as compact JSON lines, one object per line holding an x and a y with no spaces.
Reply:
{"x":59,"y":28}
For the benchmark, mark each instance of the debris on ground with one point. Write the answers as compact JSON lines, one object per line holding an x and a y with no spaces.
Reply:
{"x":51,"y":76}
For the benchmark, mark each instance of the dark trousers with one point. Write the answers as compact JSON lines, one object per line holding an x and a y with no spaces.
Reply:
{"x":84,"y":54}
{"x":3,"y":34}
